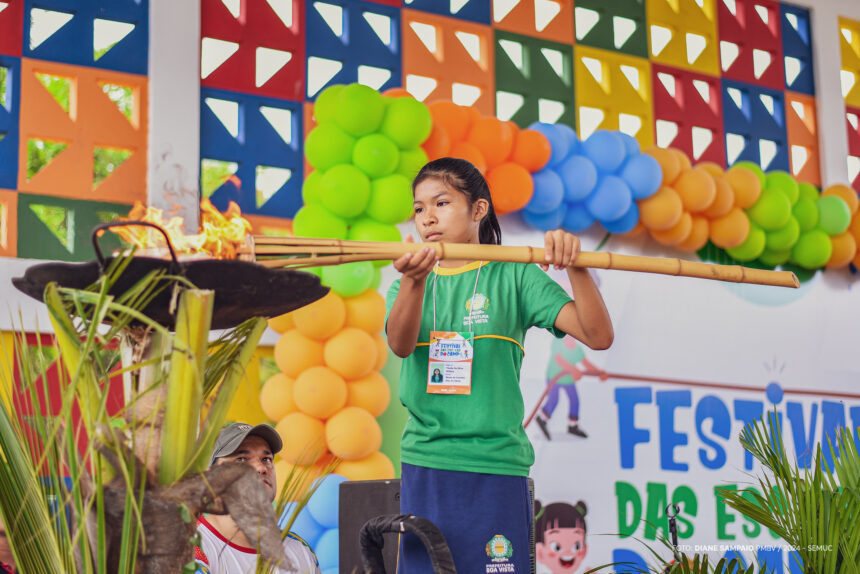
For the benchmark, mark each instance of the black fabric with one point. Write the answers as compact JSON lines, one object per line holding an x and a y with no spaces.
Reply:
{"x":373,"y":540}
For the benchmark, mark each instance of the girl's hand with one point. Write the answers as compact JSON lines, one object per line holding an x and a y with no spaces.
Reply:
{"x":561,"y":249}
{"x":416,"y":266}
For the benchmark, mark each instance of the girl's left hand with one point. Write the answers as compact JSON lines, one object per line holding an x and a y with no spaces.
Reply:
{"x":561,"y":249}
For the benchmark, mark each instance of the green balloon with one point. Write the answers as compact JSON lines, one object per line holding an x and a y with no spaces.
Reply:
{"x":311,"y":188}
{"x":783,"y":238}
{"x":784,"y":182}
{"x":314,"y":271}
{"x":834,"y":215}
{"x":812,"y":250}
{"x":377,"y":279}
{"x":366,"y":229}
{"x":756,"y":169}
{"x":359,"y":109}
{"x":808,"y":191}
{"x":327,"y":146}
{"x":316,"y":221}
{"x":411,"y":162}
{"x":375,"y":155}
{"x":325,"y":105}
{"x":407,"y":122}
{"x":751,"y":248}
{"x":348,"y":279}
{"x":390,"y":199}
{"x":774,"y":258}
{"x":806,"y":212}
{"x":772,"y":210}
{"x":345,"y":190}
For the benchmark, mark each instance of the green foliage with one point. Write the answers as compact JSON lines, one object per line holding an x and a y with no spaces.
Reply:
{"x":4,"y":85}
{"x":60,"y":88}
{"x":105,"y":160}
{"x":59,"y":220}
{"x":40,"y":153}
{"x":122,"y":96}
{"x":213,"y":174}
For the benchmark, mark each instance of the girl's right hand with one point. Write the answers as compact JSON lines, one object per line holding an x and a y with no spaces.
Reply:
{"x":416,"y":266}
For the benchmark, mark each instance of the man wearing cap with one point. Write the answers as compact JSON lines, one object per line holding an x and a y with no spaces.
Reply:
{"x":224,"y":549}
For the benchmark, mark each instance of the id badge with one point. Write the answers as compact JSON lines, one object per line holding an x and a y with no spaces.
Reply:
{"x":450,"y":364}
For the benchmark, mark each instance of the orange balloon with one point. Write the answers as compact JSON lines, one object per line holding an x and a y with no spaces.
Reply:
{"x":723,"y":201}
{"x":669,"y":163}
{"x":319,"y":392}
{"x":854,"y":228}
{"x":397,"y":93}
{"x":844,"y":250}
{"x":698,"y":235}
{"x":438,"y":143}
{"x":662,"y":210}
{"x":322,"y":318}
{"x":351,"y":353}
{"x":746,"y":184}
{"x":303,"y":437}
{"x":375,"y":466}
{"x":676,"y":234}
{"x":511,"y":187}
{"x":381,"y":351}
{"x":472,"y":116}
{"x":712,"y":168}
{"x":731,"y":229}
{"x":294,"y":353}
{"x":470,"y":153}
{"x":352,"y":433}
{"x":531,"y":150}
{"x":493,"y":137}
{"x":282,"y":323}
{"x":847,"y":194}
{"x":455,"y":119}
{"x":697,"y":189}
{"x":683,"y":159}
{"x":370,"y":392}
{"x":303,"y":475}
{"x":366,"y":311}
{"x":276,"y":397}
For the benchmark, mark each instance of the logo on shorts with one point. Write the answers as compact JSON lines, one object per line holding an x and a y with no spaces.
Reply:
{"x":499,"y":548}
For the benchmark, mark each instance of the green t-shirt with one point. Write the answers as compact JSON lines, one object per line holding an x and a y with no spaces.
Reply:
{"x":554,"y":371}
{"x":481,"y":432}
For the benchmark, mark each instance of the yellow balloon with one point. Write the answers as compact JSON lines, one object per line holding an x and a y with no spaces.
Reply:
{"x":352,"y":353}
{"x":303,"y":436}
{"x":352,"y":433}
{"x":319,"y":392}
{"x":370,"y":393}
{"x":322,"y":318}
{"x":282,"y":323}
{"x":375,"y":466}
{"x":294,"y":353}
{"x":276,"y":397}
{"x":381,"y":351}
{"x":366,"y":311}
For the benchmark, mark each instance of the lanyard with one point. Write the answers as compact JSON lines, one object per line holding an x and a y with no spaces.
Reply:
{"x":474,"y":292}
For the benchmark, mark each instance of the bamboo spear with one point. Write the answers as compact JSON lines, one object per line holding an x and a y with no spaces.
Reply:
{"x":302,"y":252}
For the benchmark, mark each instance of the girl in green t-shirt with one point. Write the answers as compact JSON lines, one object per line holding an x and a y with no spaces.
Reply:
{"x":465,"y":454}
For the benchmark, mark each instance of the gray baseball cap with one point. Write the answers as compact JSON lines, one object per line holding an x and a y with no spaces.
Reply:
{"x":232,"y":436}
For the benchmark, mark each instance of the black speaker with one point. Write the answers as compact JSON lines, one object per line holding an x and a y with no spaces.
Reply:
{"x":359,"y":502}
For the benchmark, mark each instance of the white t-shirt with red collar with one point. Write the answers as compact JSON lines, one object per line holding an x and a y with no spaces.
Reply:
{"x":217,"y":555}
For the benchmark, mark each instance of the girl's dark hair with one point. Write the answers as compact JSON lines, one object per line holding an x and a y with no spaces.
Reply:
{"x":558,"y":515}
{"x":465,"y":178}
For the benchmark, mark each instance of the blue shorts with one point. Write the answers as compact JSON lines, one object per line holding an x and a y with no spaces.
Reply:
{"x":486,"y":519}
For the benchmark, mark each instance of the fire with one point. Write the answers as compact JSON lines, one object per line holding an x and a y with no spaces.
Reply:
{"x":220,"y":233}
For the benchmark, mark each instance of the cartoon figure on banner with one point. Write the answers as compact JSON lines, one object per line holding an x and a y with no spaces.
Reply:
{"x":560,"y":532}
{"x":566,"y":366}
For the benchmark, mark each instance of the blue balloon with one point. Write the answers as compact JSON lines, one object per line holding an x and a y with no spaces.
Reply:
{"x":572,"y":138}
{"x":577,"y":218}
{"x":557,"y":141}
{"x":548,"y":193}
{"x":610,"y":200}
{"x":643,"y":175}
{"x":626,"y":223}
{"x":323,"y":505}
{"x":579,"y":175}
{"x":606,"y":150}
{"x":631,"y":145}
{"x":327,"y":549}
{"x":545,"y":221}
{"x":304,"y":526}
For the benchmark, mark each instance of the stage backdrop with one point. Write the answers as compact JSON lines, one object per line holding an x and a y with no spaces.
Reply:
{"x":720,"y":355}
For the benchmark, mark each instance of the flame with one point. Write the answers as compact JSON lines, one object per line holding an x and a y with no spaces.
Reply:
{"x":220,"y":233}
